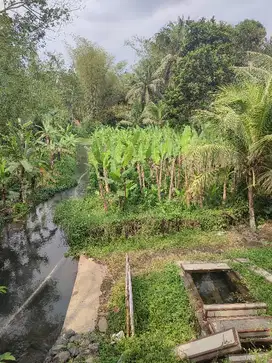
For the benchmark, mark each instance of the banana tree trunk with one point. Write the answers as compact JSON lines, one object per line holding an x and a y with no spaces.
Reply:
{"x":143,"y":177}
{"x":171,"y":179}
{"x":107,"y":188}
{"x":160,"y":180}
{"x":139,"y":174}
{"x":187,"y":194}
{"x":224,"y":192}
{"x":252,"y":220}
{"x":102,"y":193}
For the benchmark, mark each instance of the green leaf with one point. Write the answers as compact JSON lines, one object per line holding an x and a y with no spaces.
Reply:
{"x":26,"y":165}
{"x":7,"y":356}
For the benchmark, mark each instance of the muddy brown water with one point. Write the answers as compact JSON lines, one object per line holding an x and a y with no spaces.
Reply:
{"x":38,"y":276}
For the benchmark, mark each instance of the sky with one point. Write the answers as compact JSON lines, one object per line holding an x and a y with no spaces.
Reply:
{"x":110,"y":23}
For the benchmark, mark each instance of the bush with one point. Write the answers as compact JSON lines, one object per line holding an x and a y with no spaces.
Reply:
{"x":64,"y":177}
{"x":86,"y":219}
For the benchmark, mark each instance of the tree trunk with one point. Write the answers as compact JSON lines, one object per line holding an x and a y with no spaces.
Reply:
{"x":102,"y":195}
{"x":143,"y":177}
{"x":107,"y":188}
{"x":139,"y":174}
{"x":187,"y":195}
{"x":224,"y":192}
{"x":4,"y":195}
{"x":252,"y":221}
{"x":21,"y":193}
{"x":171,"y":179}
{"x":179,"y":171}
{"x":160,"y":180}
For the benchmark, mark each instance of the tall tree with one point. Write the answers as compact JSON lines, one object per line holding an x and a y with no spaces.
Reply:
{"x":241,"y":127}
{"x":35,"y":17}
{"x":206,"y":64}
{"x":146,"y":83}
{"x":250,"y":35}
{"x":99,"y":78}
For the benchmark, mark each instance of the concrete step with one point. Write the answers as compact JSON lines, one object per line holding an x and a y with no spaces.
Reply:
{"x":210,"y":347}
{"x":247,"y":327}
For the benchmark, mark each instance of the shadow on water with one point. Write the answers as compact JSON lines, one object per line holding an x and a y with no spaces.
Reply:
{"x":28,"y":255}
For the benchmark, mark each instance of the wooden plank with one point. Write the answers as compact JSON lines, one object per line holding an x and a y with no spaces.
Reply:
{"x":246,"y":327}
{"x":204,"y":266}
{"x":213,"y":346}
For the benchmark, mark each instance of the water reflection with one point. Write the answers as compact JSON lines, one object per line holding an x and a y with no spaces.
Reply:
{"x":28,"y":254}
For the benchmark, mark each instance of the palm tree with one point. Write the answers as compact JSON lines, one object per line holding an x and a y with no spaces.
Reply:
{"x":241,"y":123}
{"x":171,"y":41}
{"x":146,"y":84}
{"x":154,"y":114}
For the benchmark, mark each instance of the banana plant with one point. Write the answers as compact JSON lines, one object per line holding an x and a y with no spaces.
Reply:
{"x":4,"y":179}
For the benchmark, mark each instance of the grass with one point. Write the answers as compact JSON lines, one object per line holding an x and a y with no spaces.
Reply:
{"x":163,"y":315}
{"x":163,"y":318}
{"x":89,"y":227}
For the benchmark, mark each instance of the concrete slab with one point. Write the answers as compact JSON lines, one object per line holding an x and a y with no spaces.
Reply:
{"x":82,"y":312}
{"x":245,"y":358}
{"x":247,"y":327}
{"x":262,"y":272}
{"x":204,"y":266}
{"x":210,"y":347}
{"x":232,"y":310}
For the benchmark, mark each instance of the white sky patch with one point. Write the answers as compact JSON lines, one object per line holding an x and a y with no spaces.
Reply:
{"x":109,"y":24}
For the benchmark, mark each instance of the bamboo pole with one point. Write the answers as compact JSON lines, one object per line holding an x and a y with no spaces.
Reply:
{"x":131,"y":307}
{"x":127,"y":298}
{"x":129,"y":301}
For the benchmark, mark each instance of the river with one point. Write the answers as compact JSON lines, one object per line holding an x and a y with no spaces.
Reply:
{"x":38,"y":276}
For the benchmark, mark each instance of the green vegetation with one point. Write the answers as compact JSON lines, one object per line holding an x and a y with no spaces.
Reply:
{"x":89,"y":228}
{"x":163,"y":318}
{"x":179,"y":150}
{"x":34,"y":165}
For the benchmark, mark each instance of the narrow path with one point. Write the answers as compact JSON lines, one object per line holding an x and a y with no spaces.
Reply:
{"x":82,"y":313}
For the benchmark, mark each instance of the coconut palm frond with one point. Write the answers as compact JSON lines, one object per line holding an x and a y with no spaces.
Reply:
{"x":265,"y":182}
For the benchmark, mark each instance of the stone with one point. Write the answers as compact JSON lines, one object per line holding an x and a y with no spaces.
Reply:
{"x":63,"y":357}
{"x":68,"y":334}
{"x":92,"y":337}
{"x":117,"y":337}
{"x":89,"y":360}
{"x":75,"y":338}
{"x":94,"y":347}
{"x":61,"y":341}
{"x":74,"y":351}
{"x":102,"y":325}
{"x":84,"y":343}
{"x":58,"y":348}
